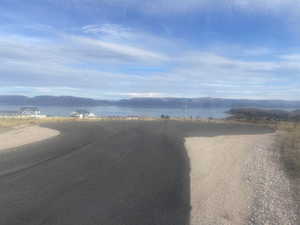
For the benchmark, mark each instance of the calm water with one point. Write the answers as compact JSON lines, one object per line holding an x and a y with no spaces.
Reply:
{"x":127,"y":111}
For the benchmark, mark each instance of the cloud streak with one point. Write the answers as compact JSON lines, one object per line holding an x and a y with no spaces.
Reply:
{"x":178,"y":6}
{"x":195,"y":74}
{"x":106,"y":49}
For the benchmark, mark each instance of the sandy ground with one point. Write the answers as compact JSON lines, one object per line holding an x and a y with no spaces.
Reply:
{"x":236,"y":180}
{"x":25,"y":135}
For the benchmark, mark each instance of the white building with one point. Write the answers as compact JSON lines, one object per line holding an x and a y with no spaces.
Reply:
{"x":81,"y":113}
{"x":24,"y":112}
{"x":33,"y":112}
{"x":7,"y":114}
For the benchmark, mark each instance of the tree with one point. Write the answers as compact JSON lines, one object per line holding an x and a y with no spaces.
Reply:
{"x":164,"y":117}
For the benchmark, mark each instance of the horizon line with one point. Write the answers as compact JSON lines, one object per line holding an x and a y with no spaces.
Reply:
{"x":163,"y":97}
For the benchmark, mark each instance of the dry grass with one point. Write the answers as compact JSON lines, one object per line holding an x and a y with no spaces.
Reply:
{"x":14,"y":122}
{"x":289,"y":145}
{"x":11,"y":122}
{"x":289,"y":142}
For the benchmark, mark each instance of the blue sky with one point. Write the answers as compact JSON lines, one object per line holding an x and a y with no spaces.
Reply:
{"x":116,"y":49}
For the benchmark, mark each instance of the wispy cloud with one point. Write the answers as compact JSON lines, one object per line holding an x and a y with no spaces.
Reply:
{"x":144,"y":95}
{"x":107,"y":49}
{"x":109,"y":30}
{"x":49,"y":67}
{"x":178,"y":6}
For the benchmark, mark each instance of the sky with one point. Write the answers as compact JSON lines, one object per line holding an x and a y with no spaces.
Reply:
{"x":114,"y":49}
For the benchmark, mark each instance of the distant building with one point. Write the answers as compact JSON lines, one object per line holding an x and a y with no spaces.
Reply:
{"x":130,"y":117}
{"x":9,"y":113}
{"x":81,"y":113}
{"x":30,"y":111}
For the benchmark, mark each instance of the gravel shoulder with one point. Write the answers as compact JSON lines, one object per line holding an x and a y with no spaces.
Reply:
{"x":23,"y":135}
{"x":272,"y":196}
{"x":237,"y":179}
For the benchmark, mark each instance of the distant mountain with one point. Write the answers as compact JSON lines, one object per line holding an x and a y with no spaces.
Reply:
{"x":51,"y":101}
{"x":207,"y":102}
{"x":146,"y":102}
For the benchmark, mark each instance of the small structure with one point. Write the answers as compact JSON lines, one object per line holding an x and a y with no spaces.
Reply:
{"x":30,"y":111}
{"x":81,"y":113}
{"x":132,"y":117}
{"x":24,"y":112}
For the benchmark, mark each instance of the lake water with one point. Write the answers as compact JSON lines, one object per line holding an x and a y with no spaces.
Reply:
{"x":129,"y":111}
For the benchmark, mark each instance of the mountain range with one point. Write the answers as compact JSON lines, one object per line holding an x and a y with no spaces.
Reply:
{"x":144,"y":102}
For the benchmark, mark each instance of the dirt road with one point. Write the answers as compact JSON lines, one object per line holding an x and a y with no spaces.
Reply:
{"x":237,"y":180}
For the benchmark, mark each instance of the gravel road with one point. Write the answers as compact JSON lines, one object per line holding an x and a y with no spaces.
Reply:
{"x":272,"y":201}
{"x":238,"y":180}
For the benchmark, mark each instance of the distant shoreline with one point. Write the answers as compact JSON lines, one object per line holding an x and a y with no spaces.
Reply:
{"x":114,"y":111}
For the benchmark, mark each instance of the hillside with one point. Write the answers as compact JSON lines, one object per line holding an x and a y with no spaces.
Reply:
{"x":264,"y":114}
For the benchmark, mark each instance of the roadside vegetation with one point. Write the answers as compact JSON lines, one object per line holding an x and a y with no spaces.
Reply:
{"x":11,"y":122}
{"x":254,"y":114}
{"x":289,"y":137}
{"x":15,"y":122}
{"x":289,"y":145}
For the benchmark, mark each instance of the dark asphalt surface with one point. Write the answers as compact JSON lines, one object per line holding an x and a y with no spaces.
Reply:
{"x":104,"y":173}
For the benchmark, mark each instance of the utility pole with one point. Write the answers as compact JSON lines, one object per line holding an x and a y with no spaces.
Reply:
{"x":185,"y":110}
